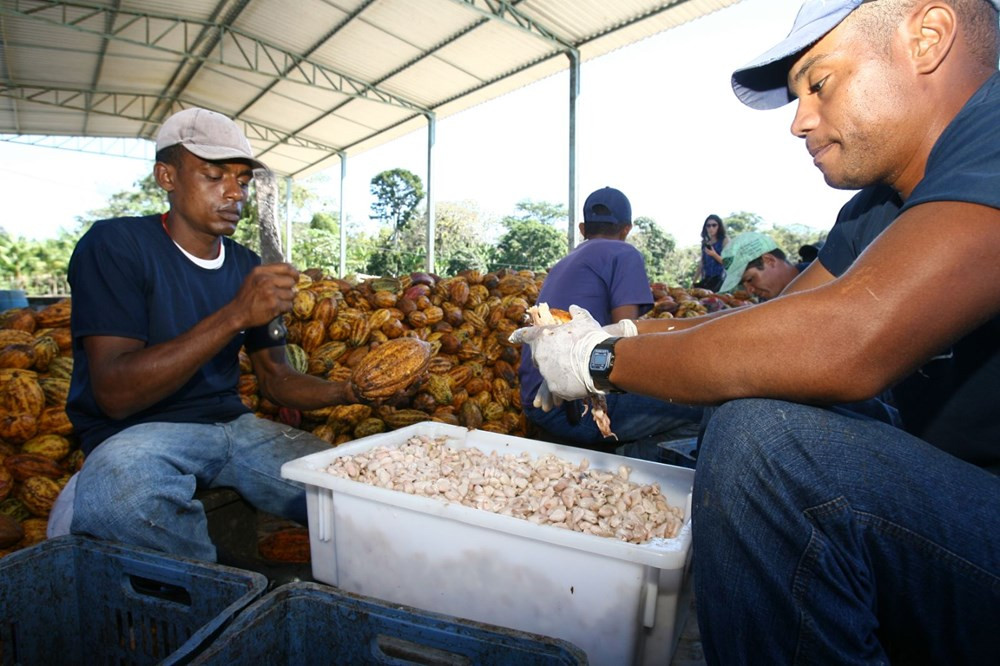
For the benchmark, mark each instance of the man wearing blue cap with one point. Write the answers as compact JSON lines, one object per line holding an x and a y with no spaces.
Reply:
{"x":606,"y":276}
{"x":821,"y":537}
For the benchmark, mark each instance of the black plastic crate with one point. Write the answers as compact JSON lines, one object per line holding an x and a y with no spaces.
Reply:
{"x":74,"y":600}
{"x":306,"y":623}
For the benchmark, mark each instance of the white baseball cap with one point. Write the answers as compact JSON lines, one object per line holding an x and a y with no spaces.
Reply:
{"x":763,"y":83}
{"x":207,"y":134}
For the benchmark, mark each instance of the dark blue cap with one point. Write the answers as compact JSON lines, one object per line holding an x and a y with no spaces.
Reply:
{"x":607,"y":205}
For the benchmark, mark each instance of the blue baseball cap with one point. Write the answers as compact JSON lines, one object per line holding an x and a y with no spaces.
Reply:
{"x":763,"y":84}
{"x":607,"y":205}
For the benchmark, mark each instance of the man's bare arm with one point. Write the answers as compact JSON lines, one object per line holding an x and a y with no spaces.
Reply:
{"x":282,"y":385}
{"x":845,"y":339}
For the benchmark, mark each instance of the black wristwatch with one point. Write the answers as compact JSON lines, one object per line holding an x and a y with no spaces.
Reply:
{"x":602,"y":360}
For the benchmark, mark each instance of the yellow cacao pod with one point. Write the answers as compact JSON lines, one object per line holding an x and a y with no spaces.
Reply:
{"x":22,"y":394}
{"x":38,"y":494}
{"x":53,"y":447}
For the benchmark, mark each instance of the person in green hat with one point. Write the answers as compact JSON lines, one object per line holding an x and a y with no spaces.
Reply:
{"x":755,"y":261}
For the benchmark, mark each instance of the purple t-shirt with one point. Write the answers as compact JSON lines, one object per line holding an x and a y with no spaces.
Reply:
{"x":599,"y":275}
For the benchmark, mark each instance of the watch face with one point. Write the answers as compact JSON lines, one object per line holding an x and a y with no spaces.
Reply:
{"x":600,"y":359}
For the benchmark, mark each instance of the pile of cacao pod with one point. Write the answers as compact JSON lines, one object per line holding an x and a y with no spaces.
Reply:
{"x":471,"y":379}
{"x":38,"y":452}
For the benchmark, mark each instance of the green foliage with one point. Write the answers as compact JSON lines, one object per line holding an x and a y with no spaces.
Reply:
{"x":393,"y":258}
{"x":737,"y":223}
{"x":543,"y":211}
{"x":655,"y":245}
{"x":397,"y":194}
{"x":528,"y":244}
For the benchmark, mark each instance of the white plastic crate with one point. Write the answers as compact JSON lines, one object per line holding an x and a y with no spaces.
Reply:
{"x":617,"y":601}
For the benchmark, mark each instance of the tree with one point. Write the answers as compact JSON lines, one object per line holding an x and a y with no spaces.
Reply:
{"x":655,"y":246}
{"x":528,"y":244}
{"x":397,"y":194}
{"x":145,"y":198}
{"x":543,"y":211}
{"x":737,"y":223}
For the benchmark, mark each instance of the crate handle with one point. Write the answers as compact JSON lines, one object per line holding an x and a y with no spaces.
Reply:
{"x":160,"y":590}
{"x":395,"y":650}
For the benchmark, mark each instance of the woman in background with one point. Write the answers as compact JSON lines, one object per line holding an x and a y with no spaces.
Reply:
{"x":713,"y":240}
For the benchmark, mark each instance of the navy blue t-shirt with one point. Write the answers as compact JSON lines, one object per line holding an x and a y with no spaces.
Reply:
{"x":952,"y":400}
{"x":130,"y":280}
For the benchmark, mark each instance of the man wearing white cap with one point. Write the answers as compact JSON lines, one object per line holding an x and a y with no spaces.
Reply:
{"x":821,"y":537}
{"x":162,"y":305}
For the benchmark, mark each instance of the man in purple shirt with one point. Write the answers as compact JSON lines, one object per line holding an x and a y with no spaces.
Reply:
{"x":606,"y":276}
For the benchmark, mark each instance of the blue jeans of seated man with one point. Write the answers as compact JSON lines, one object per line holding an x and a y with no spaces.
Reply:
{"x":138,"y":486}
{"x":632,"y":417}
{"x":828,"y":538}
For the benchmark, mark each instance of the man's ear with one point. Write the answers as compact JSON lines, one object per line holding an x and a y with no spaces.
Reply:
{"x":769,"y":260}
{"x":626,"y":230}
{"x":931,"y":32}
{"x":165,"y":175}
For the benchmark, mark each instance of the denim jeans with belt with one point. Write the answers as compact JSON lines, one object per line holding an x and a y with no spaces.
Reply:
{"x":138,"y":486}
{"x":830,"y":538}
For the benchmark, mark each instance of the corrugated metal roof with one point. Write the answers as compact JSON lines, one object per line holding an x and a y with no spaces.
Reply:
{"x":308,"y":79}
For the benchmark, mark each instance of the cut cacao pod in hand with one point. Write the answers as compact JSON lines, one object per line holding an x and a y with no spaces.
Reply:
{"x":391,"y":368}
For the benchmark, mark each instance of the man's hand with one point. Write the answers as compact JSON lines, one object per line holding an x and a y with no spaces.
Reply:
{"x":266,"y":292}
{"x":562,"y":355}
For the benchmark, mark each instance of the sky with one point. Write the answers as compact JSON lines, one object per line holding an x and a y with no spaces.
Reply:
{"x":657,"y":120}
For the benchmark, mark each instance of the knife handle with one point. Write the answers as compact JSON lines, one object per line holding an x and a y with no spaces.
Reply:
{"x":276,"y":328}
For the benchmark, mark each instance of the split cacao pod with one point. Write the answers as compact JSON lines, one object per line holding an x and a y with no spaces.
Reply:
{"x":391,"y":368}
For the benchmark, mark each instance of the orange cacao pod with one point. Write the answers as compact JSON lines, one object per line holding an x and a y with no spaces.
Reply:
{"x":26,"y":465}
{"x":61,"y":367}
{"x":53,"y":447}
{"x":21,"y":319}
{"x":390,"y":368}
{"x":56,"y":391}
{"x":22,"y":394}
{"x":288,"y":545}
{"x":17,"y":356}
{"x":15,"y":336}
{"x":54,"y":421}
{"x":18,"y":428}
{"x":38,"y":494}
{"x":54,"y":315}
{"x":325,"y":310}
{"x":313,"y":335}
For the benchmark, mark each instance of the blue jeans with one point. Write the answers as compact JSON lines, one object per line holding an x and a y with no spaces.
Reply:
{"x":829,"y":538}
{"x":632,"y":417}
{"x":138,"y":486}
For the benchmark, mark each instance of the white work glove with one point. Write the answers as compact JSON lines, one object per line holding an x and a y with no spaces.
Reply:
{"x":562,"y":355}
{"x":625,"y":328}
